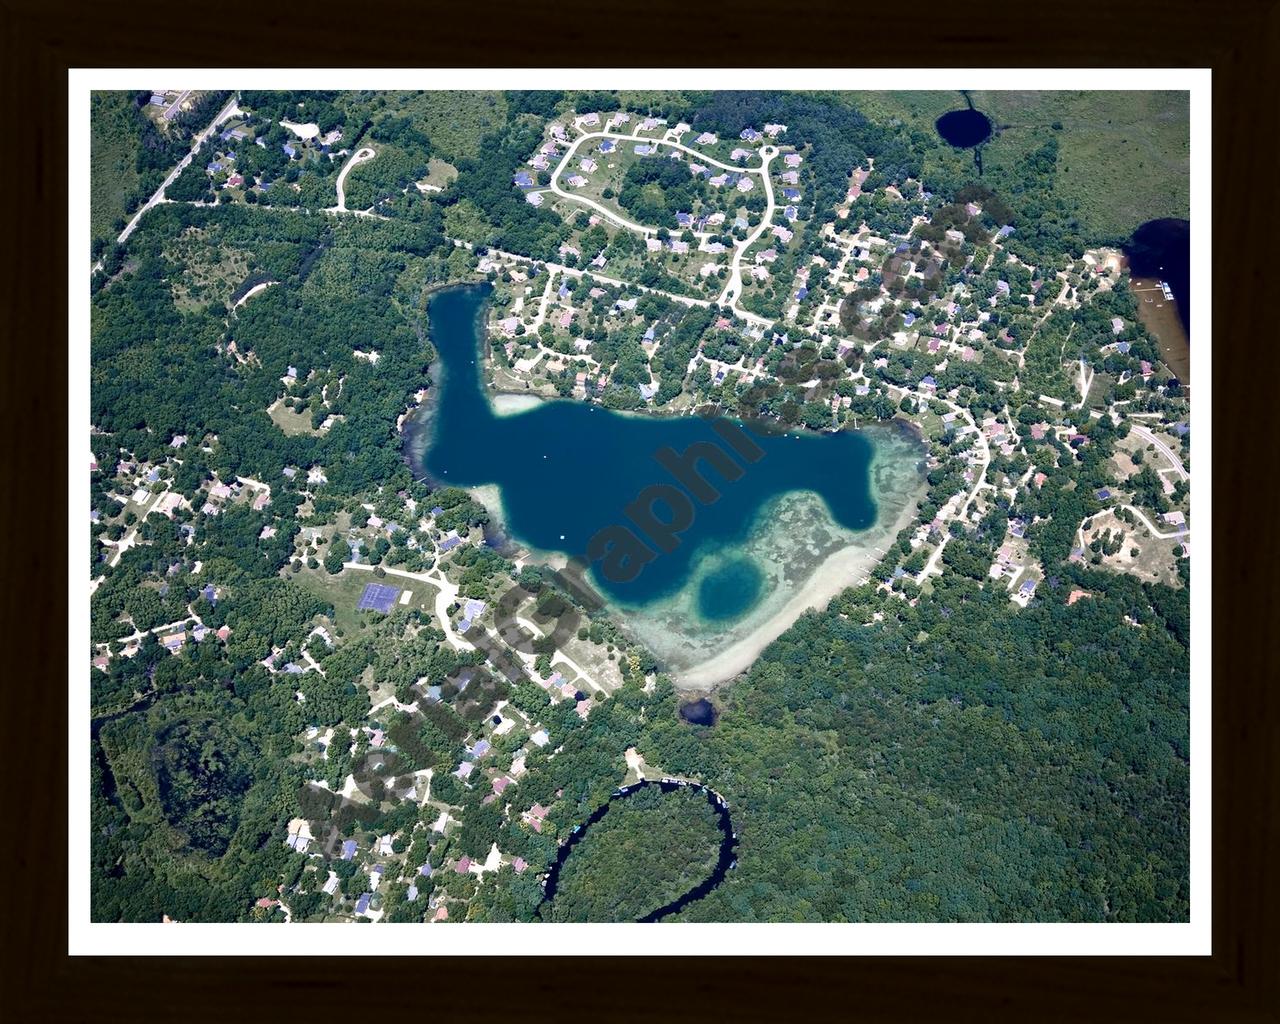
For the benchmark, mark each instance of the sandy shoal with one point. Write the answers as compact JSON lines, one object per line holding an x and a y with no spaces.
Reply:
{"x":845,"y":567}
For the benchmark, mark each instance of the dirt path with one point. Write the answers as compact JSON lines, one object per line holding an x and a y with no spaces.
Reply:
{"x":252,"y":292}
{"x":358,"y":157}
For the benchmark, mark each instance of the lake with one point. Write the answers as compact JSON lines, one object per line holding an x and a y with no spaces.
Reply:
{"x":695,"y":548}
{"x":1160,"y":250}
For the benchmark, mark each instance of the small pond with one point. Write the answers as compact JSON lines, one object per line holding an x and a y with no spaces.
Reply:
{"x":964,"y":129}
{"x":699,"y":712}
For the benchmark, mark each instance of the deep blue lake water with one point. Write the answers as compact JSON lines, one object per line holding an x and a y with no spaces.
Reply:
{"x":568,"y":470}
{"x":1162,"y":249}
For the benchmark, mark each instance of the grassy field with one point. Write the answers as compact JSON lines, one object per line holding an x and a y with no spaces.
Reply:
{"x":343,"y":592}
{"x":1124,"y":157}
{"x":440,"y":173}
{"x":455,"y":121}
{"x":113,"y":173}
{"x":289,"y":420}
{"x":1155,"y":561}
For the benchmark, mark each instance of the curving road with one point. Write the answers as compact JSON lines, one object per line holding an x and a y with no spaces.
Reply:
{"x":1162,"y":448}
{"x":1184,"y":532}
{"x":733,"y":288}
{"x":702,"y":158}
{"x":358,"y":157}
{"x":979,"y":482}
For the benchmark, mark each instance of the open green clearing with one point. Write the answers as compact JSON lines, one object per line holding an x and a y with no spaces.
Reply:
{"x":440,"y":173}
{"x":291,"y":421}
{"x":116,"y":128}
{"x":454,"y":121}
{"x":343,"y":592}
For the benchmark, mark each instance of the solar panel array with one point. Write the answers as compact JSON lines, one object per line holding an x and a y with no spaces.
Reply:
{"x":378,"y":597}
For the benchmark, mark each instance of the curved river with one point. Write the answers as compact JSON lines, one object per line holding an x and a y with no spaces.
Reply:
{"x":726,"y":860}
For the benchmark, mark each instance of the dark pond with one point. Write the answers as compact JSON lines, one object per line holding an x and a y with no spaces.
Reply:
{"x":726,"y":860}
{"x":964,"y":129}
{"x":699,"y":712}
{"x":1162,"y":249}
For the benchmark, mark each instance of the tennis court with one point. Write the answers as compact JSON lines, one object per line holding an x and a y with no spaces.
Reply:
{"x":378,"y":597}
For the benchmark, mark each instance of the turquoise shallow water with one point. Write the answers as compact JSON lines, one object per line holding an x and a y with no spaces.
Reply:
{"x":730,"y":591}
{"x":579,"y":479}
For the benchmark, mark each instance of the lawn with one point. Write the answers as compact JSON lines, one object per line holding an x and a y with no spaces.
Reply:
{"x":1155,"y":561}
{"x":440,"y":173}
{"x":289,"y":420}
{"x":343,"y":592}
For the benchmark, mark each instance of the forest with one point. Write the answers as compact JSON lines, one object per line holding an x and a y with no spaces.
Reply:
{"x":649,"y":849}
{"x":130,"y":155}
{"x":654,"y":189}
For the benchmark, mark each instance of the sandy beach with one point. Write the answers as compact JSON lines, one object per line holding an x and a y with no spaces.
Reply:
{"x":844,"y":568}
{"x":507,"y":404}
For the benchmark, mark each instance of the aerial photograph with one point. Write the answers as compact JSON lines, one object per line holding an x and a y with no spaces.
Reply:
{"x":701,"y":505}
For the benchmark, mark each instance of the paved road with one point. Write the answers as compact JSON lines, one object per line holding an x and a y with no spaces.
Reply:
{"x":560,"y":658}
{"x":131,"y":538}
{"x":932,"y":565}
{"x":1163,"y":449}
{"x":1184,"y":532}
{"x":172,"y":110}
{"x":560,"y":268}
{"x":230,"y":110}
{"x":1151,"y":527}
{"x":733,"y":289}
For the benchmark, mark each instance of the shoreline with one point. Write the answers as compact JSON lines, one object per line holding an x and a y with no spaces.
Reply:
{"x":1163,"y":319}
{"x":842,"y":569}
{"x":512,"y":403}
{"x":845,"y":566}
